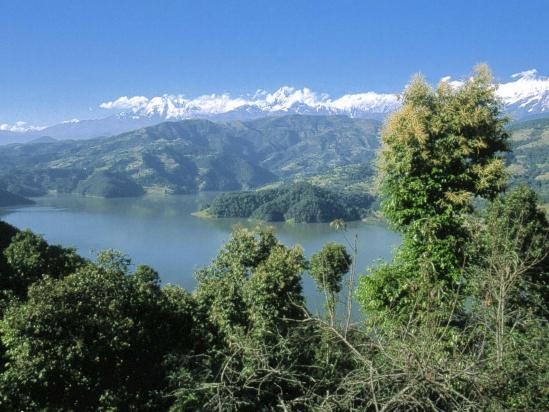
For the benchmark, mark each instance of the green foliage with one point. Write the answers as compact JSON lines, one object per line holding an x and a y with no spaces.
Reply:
{"x":103,"y":338}
{"x":29,"y":258}
{"x":112,"y":260}
{"x":253,"y":280}
{"x":252,"y":297}
{"x":299,"y":203}
{"x":329,"y":265}
{"x":274,"y":291}
{"x":7,"y":232}
{"x":327,"y":268}
{"x":515,"y":222}
{"x":440,"y":150}
{"x":528,"y":162}
{"x":353,"y":178}
{"x":189,"y":156}
{"x":109,"y":184}
{"x":509,"y":268}
{"x":84,"y":342}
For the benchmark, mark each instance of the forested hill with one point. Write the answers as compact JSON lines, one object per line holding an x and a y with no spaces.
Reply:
{"x":529,"y":159}
{"x":189,"y":156}
{"x":200,"y":155}
{"x":299,"y":203}
{"x":10,"y":199}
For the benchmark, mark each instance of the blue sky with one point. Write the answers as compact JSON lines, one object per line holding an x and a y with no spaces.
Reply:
{"x":60,"y":59}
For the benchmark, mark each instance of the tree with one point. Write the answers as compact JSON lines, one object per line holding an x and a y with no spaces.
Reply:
{"x":94,"y":340}
{"x":508,"y":294}
{"x":29,"y":257}
{"x":327,"y":268}
{"x":7,"y":232}
{"x":252,"y":299}
{"x":440,"y":150}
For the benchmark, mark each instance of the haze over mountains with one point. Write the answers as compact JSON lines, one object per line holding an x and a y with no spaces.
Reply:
{"x":190,"y":156}
{"x":525,"y":95}
{"x":195,"y":155}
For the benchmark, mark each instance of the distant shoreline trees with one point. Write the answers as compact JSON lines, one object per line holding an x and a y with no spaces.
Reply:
{"x":298,"y":203}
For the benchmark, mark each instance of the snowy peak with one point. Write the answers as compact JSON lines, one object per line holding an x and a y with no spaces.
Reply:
{"x":284,"y":100}
{"x":524,"y":94}
{"x":527,"y":94}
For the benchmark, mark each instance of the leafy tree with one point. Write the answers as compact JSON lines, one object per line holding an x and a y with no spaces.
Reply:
{"x":221,"y":284}
{"x":440,"y":150}
{"x":327,"y":268}
{"x":29,"y":257}
{"x":94,"y":340}
{"x":115,"y":261}
{"x":273,"y":293}
{"x":7,"y":232}
{"x":252,"y":297}
{"x":509,"y":290}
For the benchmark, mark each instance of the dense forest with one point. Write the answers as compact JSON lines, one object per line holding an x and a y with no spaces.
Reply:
{"x":299,"y":203}
{"x":456,"y":321}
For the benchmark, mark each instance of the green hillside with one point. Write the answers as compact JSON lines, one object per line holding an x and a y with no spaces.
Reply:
{"x":10,"y":199}
{"x":299,"y":203}
{"x":529,"y":159}
{"x":334,"y":152}
{"x":189,"y":156}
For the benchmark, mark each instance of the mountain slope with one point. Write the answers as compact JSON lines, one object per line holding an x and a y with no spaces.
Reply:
{"x":189,"y":156}
{"x":11,"y":199}
{"x":529,"y":160}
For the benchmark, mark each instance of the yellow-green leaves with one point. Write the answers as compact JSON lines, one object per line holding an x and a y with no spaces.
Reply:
{"x":440,"y":151}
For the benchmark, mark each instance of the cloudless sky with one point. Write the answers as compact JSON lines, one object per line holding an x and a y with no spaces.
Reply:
{"x":60,"y":59}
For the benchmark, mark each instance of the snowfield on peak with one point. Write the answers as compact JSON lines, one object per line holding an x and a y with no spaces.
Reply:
{"x":526,"y":93}
{"x":284,"y":100}
{"x":529,"y":93}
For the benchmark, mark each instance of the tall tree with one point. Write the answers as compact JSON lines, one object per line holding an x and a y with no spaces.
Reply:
{"x":327,"y":268}
{"x":440,"y":151}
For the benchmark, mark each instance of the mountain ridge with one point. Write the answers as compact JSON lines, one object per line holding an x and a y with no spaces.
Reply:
{"x":189,"y":156}
{"x":526,"y":95}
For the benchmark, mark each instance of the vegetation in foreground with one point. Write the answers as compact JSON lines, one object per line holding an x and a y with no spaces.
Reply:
{"x":299,"y":203}
{"x":457,"y":321}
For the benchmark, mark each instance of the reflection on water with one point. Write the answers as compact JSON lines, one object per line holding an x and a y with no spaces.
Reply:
{"x":162,"y":233}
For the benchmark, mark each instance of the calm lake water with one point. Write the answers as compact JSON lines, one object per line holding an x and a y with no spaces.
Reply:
{"x":162,"y":233}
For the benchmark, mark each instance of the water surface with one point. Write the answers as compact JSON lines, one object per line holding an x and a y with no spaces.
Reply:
{"x":162,"y":233}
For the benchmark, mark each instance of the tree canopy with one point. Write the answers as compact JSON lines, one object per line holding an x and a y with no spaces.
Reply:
{"x":440,"y":150}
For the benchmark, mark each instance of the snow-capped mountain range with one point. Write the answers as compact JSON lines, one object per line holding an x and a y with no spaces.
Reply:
{"x":525,"y":94}
{"x":284,"y":100}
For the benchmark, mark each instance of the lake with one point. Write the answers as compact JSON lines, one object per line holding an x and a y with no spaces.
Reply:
{"x":162,"y":233}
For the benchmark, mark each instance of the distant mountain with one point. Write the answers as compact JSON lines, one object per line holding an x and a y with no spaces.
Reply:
{"x":189,"y":156}
{"x":529,"y":160}
{"x":11,"y":199}
{"x":525,"y":96}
